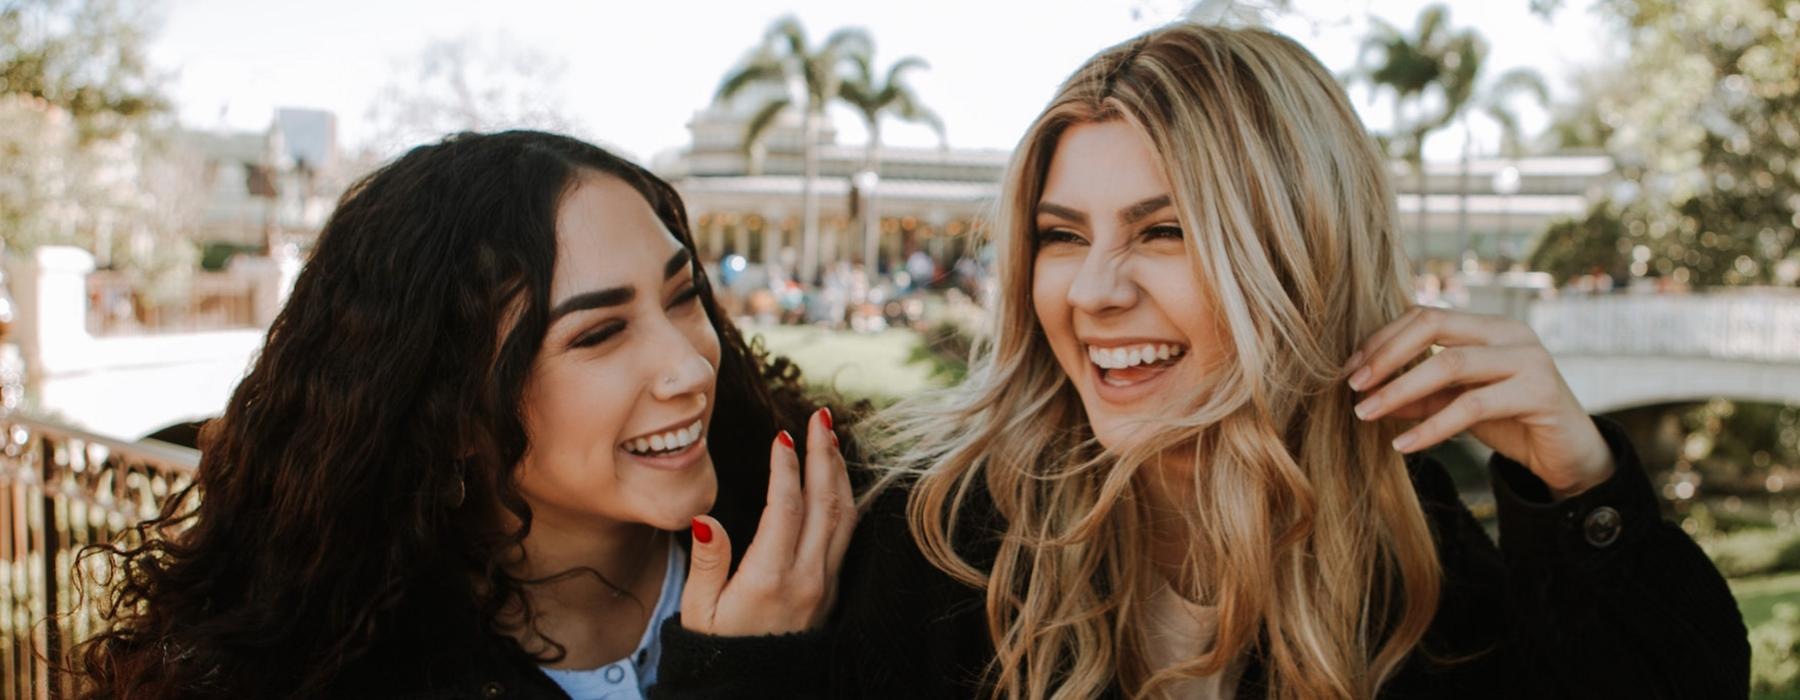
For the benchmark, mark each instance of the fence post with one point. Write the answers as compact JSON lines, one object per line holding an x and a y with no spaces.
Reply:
{"x":52,"y":545}
{"x":50,"y":288}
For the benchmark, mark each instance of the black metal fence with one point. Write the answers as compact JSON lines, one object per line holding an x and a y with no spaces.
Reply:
{"x":62,"y":489}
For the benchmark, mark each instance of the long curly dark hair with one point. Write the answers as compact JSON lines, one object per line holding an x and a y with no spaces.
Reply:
{"x":325,"y":532}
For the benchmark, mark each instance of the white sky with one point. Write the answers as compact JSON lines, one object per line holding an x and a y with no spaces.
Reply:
{"x":638,"y":70}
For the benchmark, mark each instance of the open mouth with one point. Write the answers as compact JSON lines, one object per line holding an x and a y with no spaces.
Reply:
{"x":1130,"y":364}
{"x":666,"y":443}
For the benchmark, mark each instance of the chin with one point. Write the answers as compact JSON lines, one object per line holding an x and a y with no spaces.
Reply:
{"x":678,"y":513}
{"x":1117,"y":432}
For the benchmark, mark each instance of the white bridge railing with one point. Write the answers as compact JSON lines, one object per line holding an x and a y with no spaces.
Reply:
{"x":1760,"y":325}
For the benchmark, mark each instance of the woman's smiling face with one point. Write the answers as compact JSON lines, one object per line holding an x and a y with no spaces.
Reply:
{"x":1113,"y":286}
{"x":620,"y":398}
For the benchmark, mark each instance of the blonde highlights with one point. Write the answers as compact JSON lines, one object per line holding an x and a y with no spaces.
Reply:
{"x":1303,"y":526}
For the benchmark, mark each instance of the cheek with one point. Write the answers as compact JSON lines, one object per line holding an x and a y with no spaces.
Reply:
{"x":706,"y":341}
{"x":1050,"y":299}
{"x":575,"y":406}
{"x":1175,"y":288}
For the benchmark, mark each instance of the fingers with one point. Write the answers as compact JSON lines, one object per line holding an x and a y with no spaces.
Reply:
{"x":709,"y":564}
{"x":1413,"y":333}
{"x":827,"y":495}
{"x":1454,"y":367}
{"x":788,"y":575}
{"x":1488,"y":403}
{"x":1424,"y":407}
{"x":776,"y":534}
{"x":840,"y":535}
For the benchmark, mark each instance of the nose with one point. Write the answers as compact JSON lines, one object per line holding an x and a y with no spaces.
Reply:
{"x":686,"y":373}
{"x":1102,"y":284}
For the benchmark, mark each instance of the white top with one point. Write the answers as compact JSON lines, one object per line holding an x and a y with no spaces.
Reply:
{"x":627,"y":678}
{"x":1181,"y":630}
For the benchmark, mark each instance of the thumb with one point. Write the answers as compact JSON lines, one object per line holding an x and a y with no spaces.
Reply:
{"x":709,"y":563}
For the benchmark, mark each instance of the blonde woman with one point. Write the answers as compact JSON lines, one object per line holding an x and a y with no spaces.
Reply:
{"x":1188,"y":462}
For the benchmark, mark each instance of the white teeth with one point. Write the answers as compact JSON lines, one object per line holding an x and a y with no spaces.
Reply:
{"x":1120,"y":358}
{"x":667,"y":442}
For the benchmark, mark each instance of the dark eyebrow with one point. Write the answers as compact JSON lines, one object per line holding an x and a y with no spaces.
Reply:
{"x":616,"y":295}
{"x":1060,"y":211}
{"x":1128,"y":216}
{"x":676,"y":262}
{"x":593,"y":300}
{"x":1136,"y":212}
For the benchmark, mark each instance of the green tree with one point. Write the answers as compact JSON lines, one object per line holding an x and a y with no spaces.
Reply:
{"x":1706,"y":130}
{"x":86,"y":157}
{"x":77,"y":106}
{"x":85,"y":57}
{"x":872,"y":98}
{"x":1575,"y":247}
{"x":1431,"y":74}
{"x":807,"y":78}
{"x":1494,"y":101}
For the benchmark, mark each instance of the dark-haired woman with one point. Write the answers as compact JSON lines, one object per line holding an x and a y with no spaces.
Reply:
{"x":499,"y":390}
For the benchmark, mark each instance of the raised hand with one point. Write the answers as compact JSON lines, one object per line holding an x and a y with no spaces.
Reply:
{"x":787,"y":581}
{"x":1493,"y":378}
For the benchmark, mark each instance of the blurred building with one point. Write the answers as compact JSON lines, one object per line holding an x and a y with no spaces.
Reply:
{"x":750,"y":204}
{"x":279,"y":183}
{"x":1489,"y":210}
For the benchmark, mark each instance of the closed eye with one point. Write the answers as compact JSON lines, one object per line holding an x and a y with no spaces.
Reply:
{"x":1054,"y":236}
{"x":687,"y":297}
{"x":598,"y":335}
{"x":1163,"y":231}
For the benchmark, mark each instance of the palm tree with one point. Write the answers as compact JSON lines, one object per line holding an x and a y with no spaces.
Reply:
{"x":1495,"y":101}
{"x":809,"y":79}
{"x":1434,"y":59}
{"x":872,"y":99}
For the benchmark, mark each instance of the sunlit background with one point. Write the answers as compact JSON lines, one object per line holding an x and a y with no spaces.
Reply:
{"x":1624,"y":175}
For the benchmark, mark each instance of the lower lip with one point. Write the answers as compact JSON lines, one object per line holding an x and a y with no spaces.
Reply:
{"x":674,"y":461}
{"x":1128,"y":393}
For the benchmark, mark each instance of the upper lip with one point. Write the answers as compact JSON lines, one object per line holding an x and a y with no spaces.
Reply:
{"x":1127,"y":342}
{"x":672,"y":427}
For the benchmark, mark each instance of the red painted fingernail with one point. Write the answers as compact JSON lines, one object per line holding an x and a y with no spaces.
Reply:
{"x":785,"y":439}
{"x":702,"y":532}
{"x":834,"y":442}
{"x":825,"y":414}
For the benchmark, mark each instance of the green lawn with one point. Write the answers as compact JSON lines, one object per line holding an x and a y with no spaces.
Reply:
{"x":857,"y":365}
{"x":1756,"y":598}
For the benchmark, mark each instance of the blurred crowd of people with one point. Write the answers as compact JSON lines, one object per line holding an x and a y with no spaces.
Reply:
{"x":848,"y":295}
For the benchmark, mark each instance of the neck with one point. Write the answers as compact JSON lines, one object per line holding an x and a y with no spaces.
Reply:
{"x":624,"y":554}
{"x":594,"y":619}
{"x":1169,"y":492}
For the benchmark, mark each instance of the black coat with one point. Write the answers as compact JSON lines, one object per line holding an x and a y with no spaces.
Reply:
{"x":1593,"y":597}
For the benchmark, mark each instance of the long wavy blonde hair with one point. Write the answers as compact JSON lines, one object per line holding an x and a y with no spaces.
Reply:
{"x":1304,"y":527}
